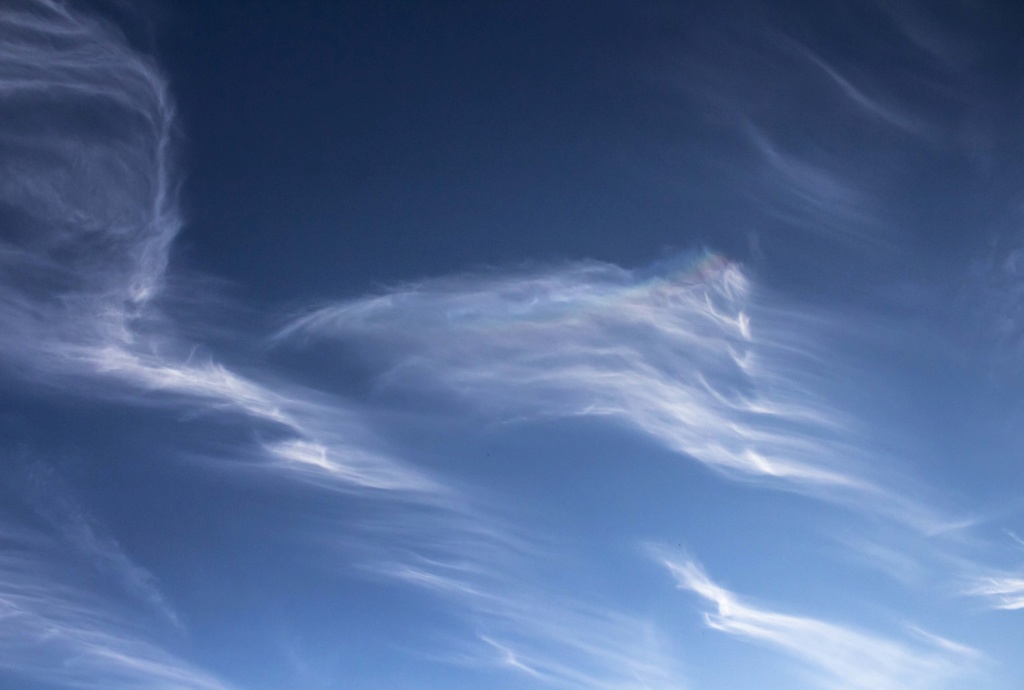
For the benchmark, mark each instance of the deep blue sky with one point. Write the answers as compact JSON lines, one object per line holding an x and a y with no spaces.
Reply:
{"x":420,"y":138}
{"x":591,"y":345}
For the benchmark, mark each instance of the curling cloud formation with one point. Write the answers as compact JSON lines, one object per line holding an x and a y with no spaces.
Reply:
{"x":87,"y":201}
{"x":88,"y":212}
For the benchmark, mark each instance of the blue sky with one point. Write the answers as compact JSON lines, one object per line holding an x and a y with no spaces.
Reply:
{"x":379,"y":345}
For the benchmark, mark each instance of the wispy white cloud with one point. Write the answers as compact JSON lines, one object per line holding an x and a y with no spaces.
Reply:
{"x":81,"y":537}
{"x":89,"y":192}
{"x":685,"y":354}
{"x":89,"y":210}
{"x":1000,"y":590}
{"x":871,"y":105}
{"x":815,"y":190}
{"x":689,"y":355}
{"x":87,"y":185}
{"x":835,"y":656}
{"x":896,"y":561}
{"x":89,"y":189}
{"x":558,"y":640}
{"x":56,"y":632}
{"x":82,"y":293}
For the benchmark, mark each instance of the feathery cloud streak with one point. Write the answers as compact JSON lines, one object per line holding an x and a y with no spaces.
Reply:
{"x":89,"y":212}
{"x":676,"y":355}
{"x":689,"y":355}
{"x":554,"y":639}
{"x":1002,"y":590}
{"x":837,"y":657}
{"x":54,"y":631}
{"x":88,"y":198}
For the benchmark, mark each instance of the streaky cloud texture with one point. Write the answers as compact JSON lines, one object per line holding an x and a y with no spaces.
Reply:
{"x":688,"y":353}
{"x":346,"y":501}
{"x":999,"y":590}
{"x":68,"y":524}
{"x":812,"y":190}
{"x":54,"y":630}
{"x":834,"y":656}
{"x":871,"y":105}
{"x":92,"y":214}
{"x":89,"y":209}
{"x":561,"y":640}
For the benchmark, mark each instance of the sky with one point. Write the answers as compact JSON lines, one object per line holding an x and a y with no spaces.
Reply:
{"x":384,"y":345}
